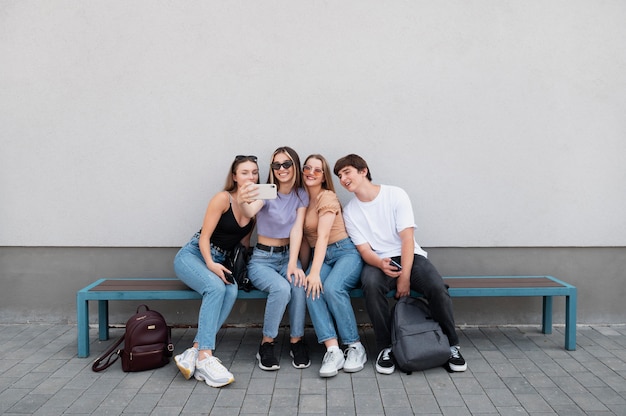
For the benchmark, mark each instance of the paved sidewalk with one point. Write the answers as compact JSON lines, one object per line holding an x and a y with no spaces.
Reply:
{"x":512,"y":371}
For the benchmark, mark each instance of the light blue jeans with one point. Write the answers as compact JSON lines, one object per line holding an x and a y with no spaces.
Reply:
{"x":267,"y":271}
{"x":218,"y":298}
{"x":341,"y":272}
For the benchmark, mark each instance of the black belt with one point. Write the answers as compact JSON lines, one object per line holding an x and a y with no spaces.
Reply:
{"x":275,"y":249}
{"x":220,"y":249}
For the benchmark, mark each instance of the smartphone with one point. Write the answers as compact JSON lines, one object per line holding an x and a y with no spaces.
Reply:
{"x":266,"y":191}
{"x":395,"y":264}
{"x":229,"y":277}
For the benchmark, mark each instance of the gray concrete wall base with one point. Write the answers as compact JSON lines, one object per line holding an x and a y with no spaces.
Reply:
{"x":39,"y":284}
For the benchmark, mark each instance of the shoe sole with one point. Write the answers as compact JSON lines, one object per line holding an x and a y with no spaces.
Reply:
{"x":299,"y":366}
{"x":457,"y":368}
{"x":326,"y":375}
{"x":385,"y":370}
{"x":262,"y":367}
{"x":214,"y":383}
{"x":186,"y":372}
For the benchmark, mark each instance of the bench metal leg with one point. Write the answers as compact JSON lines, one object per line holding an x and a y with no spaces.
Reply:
{"x":103,"y":320}
{"x":570,"y":322}
{"x":546,"y":324}
{"x":82,"y":320}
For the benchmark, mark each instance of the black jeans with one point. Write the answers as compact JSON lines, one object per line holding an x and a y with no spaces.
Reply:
{"x":425,"y":279}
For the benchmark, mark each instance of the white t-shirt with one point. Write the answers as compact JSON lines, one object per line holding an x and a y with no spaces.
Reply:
{"x":378,"y":222}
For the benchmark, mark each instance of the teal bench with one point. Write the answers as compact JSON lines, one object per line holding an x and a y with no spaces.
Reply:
{"x":104,"y":290}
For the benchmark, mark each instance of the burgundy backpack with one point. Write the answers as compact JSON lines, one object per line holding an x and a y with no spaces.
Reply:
{"x":147,"y":344}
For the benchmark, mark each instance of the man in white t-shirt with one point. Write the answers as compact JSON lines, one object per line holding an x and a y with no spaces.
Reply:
{"x":380,"y":222}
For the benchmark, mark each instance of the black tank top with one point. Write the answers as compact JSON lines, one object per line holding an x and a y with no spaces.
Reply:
{"x":228,"y":232}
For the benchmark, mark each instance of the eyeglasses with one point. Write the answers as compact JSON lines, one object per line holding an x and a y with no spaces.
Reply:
{"x":307,"y":170}
{"x":286,"y":164}
{"x":242,"y":157}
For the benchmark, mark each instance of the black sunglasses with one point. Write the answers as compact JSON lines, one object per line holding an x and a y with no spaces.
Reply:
{"x":287,"y":164}
{"x":242,"y":157}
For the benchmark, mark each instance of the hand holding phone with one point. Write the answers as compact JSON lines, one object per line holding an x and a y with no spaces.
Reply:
{"x":395,"y":264}
{"x":266,"y":191}
{"x":254,"y":191}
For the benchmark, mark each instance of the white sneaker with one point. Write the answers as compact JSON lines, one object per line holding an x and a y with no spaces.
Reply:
{"x":333,"y":362}
{"x":355,"y":358}
{"x":212,"y":372}
{"x":186,"y":362}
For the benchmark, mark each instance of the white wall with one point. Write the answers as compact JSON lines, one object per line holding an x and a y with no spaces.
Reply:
{"x":504,"y":120}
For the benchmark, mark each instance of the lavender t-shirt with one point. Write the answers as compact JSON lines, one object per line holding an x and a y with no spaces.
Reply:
{"x":278,"y":215}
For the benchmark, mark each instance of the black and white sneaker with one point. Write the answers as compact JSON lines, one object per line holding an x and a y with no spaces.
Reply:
{"x":299,"y":354}
{"x":267,"y":360}
{"x":456,"y":362}
{"x":384,"y":362}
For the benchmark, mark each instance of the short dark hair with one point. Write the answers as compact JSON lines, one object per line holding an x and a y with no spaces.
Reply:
{"x":355,"y":161}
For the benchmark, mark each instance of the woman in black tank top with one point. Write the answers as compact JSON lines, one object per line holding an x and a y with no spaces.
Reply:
{"x":200,"y":264}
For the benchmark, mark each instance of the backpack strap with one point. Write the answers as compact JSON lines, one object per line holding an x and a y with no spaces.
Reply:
{"x":108,"y":355}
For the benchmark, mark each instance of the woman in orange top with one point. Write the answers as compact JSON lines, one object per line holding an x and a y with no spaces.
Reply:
{"x":335,"y":269}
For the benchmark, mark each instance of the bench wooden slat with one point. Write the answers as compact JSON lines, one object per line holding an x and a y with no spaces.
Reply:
{"x":502,"y":282}
{"x":454,"y":282}
{"x":110,"y":285}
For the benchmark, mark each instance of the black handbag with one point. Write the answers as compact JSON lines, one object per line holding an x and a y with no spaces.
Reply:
{"x":237,"y":262}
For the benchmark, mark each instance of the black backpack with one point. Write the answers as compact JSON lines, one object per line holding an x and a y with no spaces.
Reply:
{"x":417,"y":341}
{"x":147,"y":343}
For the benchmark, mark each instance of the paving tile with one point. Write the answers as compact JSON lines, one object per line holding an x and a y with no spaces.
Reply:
{"x":85,"y":404}
{"x":10,"y":396}
{"x":143,"y":403}
{"x":424,"y":404}
{"x":312,"y":404}
{"x":368,"y":404}
{"x":29,"y":404}
{"x":502,"y":397}
{"x":285,"y":398}
{"x":533,"y":403}
{"x":252,"y":403}
{"x":395,"y":398}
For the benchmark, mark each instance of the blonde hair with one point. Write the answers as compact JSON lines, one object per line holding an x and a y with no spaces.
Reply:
{"x":293,"y":156}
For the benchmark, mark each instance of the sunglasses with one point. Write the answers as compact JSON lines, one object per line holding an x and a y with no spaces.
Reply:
{"x":242,"y":157}
{"x":287,"y":164}
{"x":307,"y":170}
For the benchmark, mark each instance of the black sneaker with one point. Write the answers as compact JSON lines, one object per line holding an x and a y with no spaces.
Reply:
{"x":384,"y":362}
{"x":456,"y":362}
{"x":299,"y":354}
{"x":267,"y":360}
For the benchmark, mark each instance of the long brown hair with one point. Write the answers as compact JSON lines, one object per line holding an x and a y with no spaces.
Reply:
{"x":230,"y":184}
{"x":328,"y":178}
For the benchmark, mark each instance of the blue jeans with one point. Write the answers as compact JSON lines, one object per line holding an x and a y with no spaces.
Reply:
{"x":340,"y":273}
{"x":424,"y":279}
{"x":218,"y":298}
{"x":267,"y":271}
